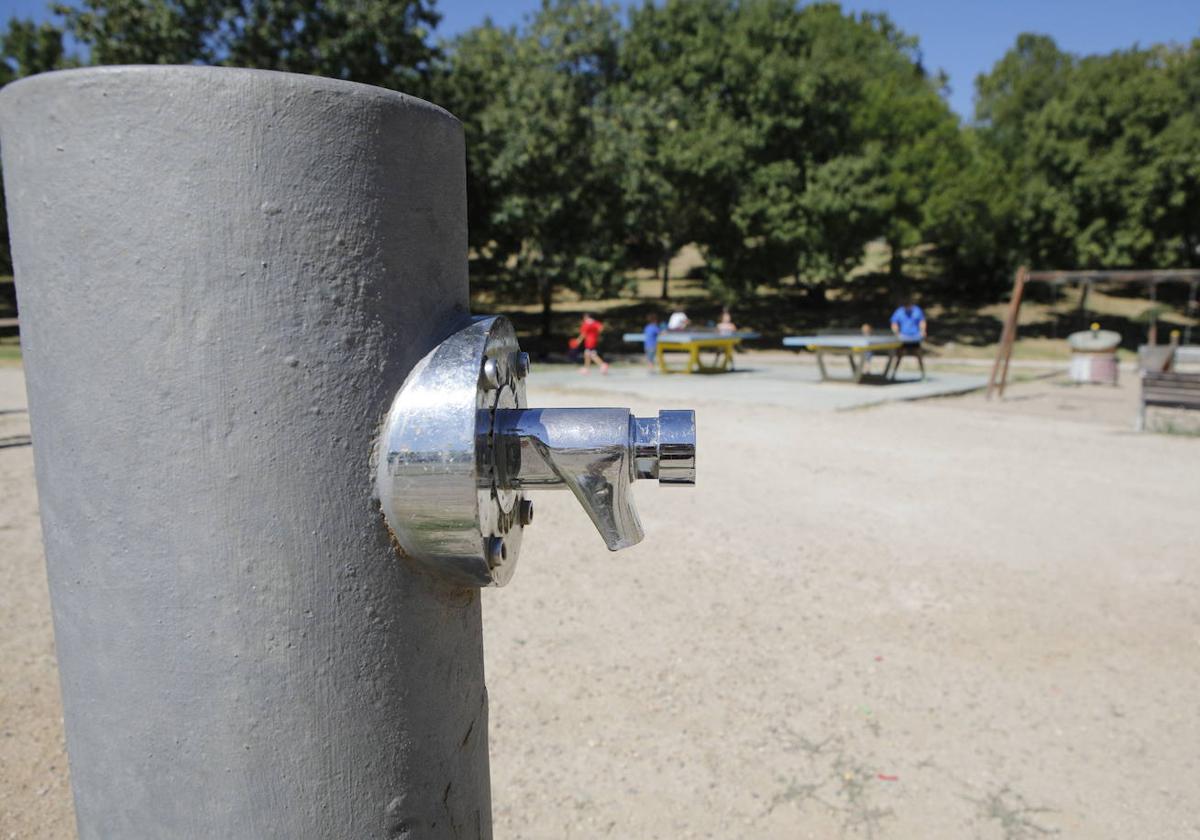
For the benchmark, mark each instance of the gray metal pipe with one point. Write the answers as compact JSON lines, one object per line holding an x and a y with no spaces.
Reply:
{"x":224,"y":276}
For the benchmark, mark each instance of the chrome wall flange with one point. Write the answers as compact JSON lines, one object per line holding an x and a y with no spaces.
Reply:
{"x":435,"y":473}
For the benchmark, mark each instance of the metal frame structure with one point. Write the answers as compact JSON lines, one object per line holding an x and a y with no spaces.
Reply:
{"x":1008,"y":336}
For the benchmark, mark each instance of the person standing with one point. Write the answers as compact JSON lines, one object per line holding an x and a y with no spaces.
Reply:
{"x":866,"y":330}
{"x":678,"y":321}
{"x":589,"y":334}
{"x":650,"y":340}
{"x":910,"y":326}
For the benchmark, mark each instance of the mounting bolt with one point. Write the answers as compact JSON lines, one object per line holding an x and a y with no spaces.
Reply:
{"x":520,"y":365}
{"x":526,"y":511}
{"x":497,"y":552}
{"x":491,"y":374}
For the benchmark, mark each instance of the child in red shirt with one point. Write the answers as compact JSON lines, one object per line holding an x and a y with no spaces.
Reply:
{"x":589,"y":335}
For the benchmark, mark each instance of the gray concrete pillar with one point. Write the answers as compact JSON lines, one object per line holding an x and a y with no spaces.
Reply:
{"x":224,"y":276}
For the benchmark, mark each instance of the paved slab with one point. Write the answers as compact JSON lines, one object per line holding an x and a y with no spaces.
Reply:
{"x":786,"y":383}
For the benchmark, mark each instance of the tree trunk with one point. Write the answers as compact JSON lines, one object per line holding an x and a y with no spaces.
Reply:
{"x":546,"y":290}
{"x":666,"y":275}
{"x":1152,"y":338}
{"x":896,"y":260}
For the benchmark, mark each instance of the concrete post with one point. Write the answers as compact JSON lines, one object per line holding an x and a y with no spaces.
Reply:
{"x":224,"y":276}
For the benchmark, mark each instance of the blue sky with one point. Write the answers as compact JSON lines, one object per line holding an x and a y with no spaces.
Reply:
{"x":962,"y":37}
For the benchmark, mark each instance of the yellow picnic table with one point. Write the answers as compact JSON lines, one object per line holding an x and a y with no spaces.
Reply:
{"x":695,"y":342}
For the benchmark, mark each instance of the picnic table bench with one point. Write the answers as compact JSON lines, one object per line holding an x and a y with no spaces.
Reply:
{"x":1187,"y":354}
{"x":1168,"y":390}
{"x":693,"y":342}
{"x":857,"y":349}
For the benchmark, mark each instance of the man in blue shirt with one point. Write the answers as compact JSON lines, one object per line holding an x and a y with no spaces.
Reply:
{"x":908,"y":323}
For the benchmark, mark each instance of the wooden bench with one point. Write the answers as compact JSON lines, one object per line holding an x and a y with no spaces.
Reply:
{"x":1168,"y":390}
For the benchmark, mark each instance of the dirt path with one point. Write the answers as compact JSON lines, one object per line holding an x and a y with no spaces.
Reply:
{"x":944,"y":619}
{"x":35,"y":798}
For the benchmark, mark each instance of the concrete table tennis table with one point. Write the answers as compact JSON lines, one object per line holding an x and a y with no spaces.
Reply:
{"x":693,"y":342}
{"x":856,"y":349}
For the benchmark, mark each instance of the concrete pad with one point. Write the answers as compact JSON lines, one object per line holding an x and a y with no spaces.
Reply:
{"x":792,"y":384}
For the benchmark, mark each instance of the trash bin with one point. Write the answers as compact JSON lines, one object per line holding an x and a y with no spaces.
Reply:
{"x":1094,"y":355}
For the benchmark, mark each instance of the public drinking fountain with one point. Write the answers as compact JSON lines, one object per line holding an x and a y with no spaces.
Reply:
{"x":232,"y":276}
{"x":461,"y":449}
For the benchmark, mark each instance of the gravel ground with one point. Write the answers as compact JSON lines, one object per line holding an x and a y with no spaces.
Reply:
{"x":942,"y":619}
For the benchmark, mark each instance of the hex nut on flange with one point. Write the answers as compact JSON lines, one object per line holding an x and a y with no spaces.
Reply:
{"x":491,"y":374}
{"x":520,"y":365}
{"x":497,"y":552}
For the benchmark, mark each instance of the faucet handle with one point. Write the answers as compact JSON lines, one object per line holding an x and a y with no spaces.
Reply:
{"x":665,"y":447}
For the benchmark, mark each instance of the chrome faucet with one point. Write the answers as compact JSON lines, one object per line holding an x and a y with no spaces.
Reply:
{"x":459,"y":451}
{"x":596,"y":453}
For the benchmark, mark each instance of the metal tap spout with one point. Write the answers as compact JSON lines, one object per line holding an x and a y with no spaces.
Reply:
{"x":596,"y":453}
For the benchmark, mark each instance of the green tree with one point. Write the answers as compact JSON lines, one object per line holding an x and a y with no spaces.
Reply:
{"x":637,"y":143}
{"x":141,"y":31}
{"x":26,"y":48}
{"x":1018,"y":87}
{"x":547,"y":200}
{"x":971,"y":216}
{"x":904,"y":114}
{"x":1176,"y":192}
{"x":679,"y":169}
{"x":381,"y":42}
{"x":790,"y":136}
{"x":1104,"y":151}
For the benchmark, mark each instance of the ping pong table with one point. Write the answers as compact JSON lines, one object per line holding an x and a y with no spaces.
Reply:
{"x":693,"y":342}
{"x":857,"y":349}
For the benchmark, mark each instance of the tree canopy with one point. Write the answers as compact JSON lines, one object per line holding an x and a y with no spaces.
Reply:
{"x":779,"y":138}
{"x":545,"y":180}
{"x":1102,"y":153}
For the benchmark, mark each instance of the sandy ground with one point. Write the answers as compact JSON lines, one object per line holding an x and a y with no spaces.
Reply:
{"x":35,"y":797}
{"x":941,"y":619}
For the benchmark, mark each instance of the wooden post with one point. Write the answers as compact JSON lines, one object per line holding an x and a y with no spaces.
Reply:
{"x":1152,"y":332}
{"x":1191,"y":310}
{"x":1008,"y":336}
